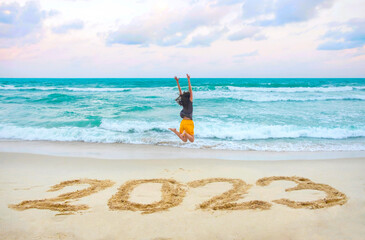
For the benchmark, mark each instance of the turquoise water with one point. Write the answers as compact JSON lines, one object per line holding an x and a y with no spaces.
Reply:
{"x":246,"y":114}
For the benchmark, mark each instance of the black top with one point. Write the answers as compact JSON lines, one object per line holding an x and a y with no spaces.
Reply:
{"x":187,"y":111}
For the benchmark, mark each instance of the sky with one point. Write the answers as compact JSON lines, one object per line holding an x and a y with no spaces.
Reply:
{"x":164,"y":38}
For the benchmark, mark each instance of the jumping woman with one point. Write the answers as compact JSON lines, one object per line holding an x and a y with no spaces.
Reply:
{"x":185,"y":100}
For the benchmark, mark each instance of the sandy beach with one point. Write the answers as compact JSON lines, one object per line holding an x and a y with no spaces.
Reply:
{"x":182,"y":120}
{"x":164,"y":196}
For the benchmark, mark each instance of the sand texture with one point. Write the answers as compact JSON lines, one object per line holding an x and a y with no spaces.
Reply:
{"x":226,"y":201}
{"x":172,"y":195}
{"x":65,"y":208}
{"x":49,"y":197}
{"x":333,"y":196}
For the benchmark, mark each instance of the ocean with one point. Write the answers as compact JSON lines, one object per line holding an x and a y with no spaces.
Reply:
{"x":262,"y":114}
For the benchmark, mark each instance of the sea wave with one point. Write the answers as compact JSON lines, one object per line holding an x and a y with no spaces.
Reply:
{"x":248,"y":94}
{"x":237,"y":131}
{"x":295,"y":146}
{"x":84,"y":89}
{"x":296,"y":89}
{"x":197,"y":88}
{"x":73,"y":89}
{"x":100,"y":135}
{"x":278,"y":97}
{"x":116,"y":130}
{"x":219,"y":129}
{"x":209,"y":134}
{"x":94,"y":134}
{"x":299,"y":99}
{"x":57,"y":98}
{"x":136,"y":126}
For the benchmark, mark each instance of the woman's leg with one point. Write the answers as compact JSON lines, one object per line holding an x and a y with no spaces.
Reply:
{"x":181,"y":136}
{"x":188,"y":136}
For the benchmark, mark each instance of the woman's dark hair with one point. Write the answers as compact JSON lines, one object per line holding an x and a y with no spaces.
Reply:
{"x":183,"y":99}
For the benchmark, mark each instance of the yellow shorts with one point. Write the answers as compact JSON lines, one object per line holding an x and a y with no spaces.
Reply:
{"x":187,"y":125}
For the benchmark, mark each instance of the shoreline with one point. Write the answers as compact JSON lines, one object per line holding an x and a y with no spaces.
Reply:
{"x":142,"y":151}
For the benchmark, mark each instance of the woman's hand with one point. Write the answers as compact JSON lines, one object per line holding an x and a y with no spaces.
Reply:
{"x":188,"y":76}
{"x":177,"y":79}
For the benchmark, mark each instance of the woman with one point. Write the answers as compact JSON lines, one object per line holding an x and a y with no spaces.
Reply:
{"x":187,"y":125}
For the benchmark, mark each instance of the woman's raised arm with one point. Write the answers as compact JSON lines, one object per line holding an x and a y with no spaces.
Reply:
{"x":190,"y":89}
{"x":178,"y":85}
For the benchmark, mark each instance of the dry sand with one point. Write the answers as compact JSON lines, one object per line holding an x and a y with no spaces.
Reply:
{"x":89,"y":198}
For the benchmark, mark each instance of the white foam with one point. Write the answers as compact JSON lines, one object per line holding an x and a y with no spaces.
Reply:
{"x":253,"y":94}
{"x":86,"y":89}
{"x":299,"y":146}
{"x":10,"y":87}
{"x":200,"y":88}
{"x":136,"y":126}
{"x":278,"y":96}
{"x":294,"y":89}
{"x":208,"y":135}
{"x":242,"y":131}
{"x":94,"y":134}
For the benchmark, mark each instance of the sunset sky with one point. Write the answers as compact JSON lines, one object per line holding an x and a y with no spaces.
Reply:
{"x":161,"y":38}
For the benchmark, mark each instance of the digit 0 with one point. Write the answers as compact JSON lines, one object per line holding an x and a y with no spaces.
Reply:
{"x":172,"y":195}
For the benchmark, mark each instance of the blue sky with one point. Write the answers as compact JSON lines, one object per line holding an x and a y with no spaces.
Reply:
{"x":161,"y":38}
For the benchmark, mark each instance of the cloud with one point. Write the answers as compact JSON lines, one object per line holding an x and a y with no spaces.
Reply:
{"x":166,"y":28}
{"x":249,"y":54}
{"x":349,"y":35}
{"x":226,"y":2}
{"x":8,"y":13}
{"x":204,"y":40}
{"x":281,"y":12}
{"x":53,"y":13}
{"x":17,"y":21}
{"x":175,"y":28}
{"x":64,"y":28}
{"x":359,"y":52}
{"x":253,"y":9}
{"x":20,"y":24}
{"x":259,"y":37}
{"x":247,"y":32}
